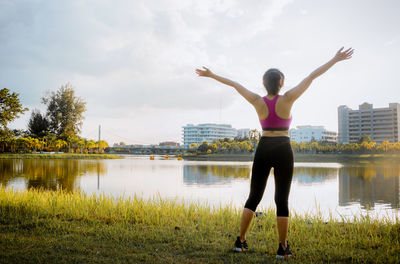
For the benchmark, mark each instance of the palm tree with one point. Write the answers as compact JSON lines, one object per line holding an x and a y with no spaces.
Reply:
{"x":102,"y":144}
{"x":59,"y":143}
{"x":90,"y":145}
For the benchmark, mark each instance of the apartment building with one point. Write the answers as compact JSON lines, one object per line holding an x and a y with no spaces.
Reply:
{"x":207,"y":132}
{"x":382,"y":124}
{"x":310,"y":133}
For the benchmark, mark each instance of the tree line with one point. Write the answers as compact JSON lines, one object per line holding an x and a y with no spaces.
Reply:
{"x":55,"y":130}
{"x":248,"y":145}
{"x":227,"y":145}
{"x":365,"y":147}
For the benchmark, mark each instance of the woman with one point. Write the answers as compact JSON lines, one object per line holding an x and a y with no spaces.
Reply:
{"x":274,"y":149}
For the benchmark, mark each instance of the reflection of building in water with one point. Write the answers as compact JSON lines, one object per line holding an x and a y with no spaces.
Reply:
{"x":369,"y":185}
{"x":310,"y":175}
{"x":213,"y":174}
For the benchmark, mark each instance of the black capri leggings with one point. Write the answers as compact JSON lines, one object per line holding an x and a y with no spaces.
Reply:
{"x":272,"y":152}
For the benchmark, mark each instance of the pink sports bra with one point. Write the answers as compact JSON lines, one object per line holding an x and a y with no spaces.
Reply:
{"x":273,"y":122}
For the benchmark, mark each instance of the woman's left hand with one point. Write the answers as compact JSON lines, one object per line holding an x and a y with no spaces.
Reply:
{"x":205,"y":73}
{"x":344,"y":55}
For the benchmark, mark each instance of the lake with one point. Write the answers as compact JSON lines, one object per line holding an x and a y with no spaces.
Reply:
{"x":339,"y":189}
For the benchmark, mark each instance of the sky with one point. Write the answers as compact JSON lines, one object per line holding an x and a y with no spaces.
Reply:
{"x":133,"y":62}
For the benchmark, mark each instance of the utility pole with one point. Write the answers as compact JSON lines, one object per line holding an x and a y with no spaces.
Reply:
{"x":98,"y":147}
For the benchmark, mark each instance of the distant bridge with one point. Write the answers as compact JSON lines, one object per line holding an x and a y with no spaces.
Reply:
{"x":149,"y":149}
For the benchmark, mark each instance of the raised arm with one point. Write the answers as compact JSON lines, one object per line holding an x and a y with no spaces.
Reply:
{"x":297,"y":91}
{"x":251,"y":97}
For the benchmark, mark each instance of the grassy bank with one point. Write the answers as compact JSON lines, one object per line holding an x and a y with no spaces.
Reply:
{"x":300,"y":157}
{"x":59,"y":156}
{"x":60,"y":227}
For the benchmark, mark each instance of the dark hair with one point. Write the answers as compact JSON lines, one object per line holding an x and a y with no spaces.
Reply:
{"x":271,"y":80}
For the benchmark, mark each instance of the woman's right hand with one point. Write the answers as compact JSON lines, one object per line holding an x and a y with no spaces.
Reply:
{"x":204,"y":73}
{"x":343,"y":55}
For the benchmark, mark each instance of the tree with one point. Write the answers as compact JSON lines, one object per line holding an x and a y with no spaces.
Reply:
{"x":102,"y":144}
{"x":38,"y":125}
{"x":20,"y":133}
{"x":384,"y":147}
{"x":10,"y":109}
{"x":64,"y":111}
{"x":254,"y":135}
{"x":364,"y":138}
{"x":204,"y":146}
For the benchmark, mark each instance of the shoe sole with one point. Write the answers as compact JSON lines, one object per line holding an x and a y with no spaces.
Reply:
{"x":283,"y":257}
{"x":236,"y":249}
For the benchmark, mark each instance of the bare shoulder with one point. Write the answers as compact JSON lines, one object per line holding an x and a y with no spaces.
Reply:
{"x":287,"y":97}
{"x":284,"y":97}
{"x":261,"y":107}
{"x":259,"y":102}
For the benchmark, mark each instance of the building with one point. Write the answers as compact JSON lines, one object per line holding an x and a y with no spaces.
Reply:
{"x":207,"y":132}
{"x":310,"y":133}
{"x":382,"y":124}
{"x":243,"y":133}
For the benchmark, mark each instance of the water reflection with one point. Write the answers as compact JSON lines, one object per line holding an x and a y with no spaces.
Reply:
{"x":220,"y":174}
{"x":312,"y":175}
{"x":48,"y":174}
{"x":369,"y":185}
{"x":214,"y":174}
{"x":343,"y":185}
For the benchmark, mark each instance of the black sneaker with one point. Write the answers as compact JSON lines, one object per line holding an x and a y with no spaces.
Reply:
{"x":240,"y":246}
{"x":283,"y":253}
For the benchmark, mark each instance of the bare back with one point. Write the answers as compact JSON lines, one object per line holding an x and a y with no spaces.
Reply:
{"x":282,"y":109}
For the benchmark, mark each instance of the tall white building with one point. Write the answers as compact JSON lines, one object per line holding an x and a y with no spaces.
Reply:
{"x":310,"y":133}
{"x":207,"y":132}
{"x":382,"y":124}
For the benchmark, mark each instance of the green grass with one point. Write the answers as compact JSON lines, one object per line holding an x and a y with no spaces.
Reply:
{"x":59,"y":227}
{"x":59,"y":156}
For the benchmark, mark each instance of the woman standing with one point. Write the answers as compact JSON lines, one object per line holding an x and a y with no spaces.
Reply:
{"x":274,"y":149}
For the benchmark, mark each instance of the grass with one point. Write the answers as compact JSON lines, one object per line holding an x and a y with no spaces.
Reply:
{"x":59,"y":227}
{"x":59,"y":156}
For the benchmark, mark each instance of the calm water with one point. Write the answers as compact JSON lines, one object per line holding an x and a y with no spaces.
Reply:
{"x":339,"y":189}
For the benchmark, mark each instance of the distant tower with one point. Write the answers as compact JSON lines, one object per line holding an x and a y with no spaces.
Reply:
{"x":99,"y":132}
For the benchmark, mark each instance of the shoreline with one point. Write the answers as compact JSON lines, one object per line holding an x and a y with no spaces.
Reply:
{"x":300,"y":157}
{"x":59,"y":156}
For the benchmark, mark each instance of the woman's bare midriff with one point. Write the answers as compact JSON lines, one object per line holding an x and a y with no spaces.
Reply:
{"x":284,"y":133}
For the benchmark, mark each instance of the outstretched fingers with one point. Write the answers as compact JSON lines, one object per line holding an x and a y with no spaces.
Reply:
{"x":344,"y":55}
{"x":206,"y":72}
{"x":349,"y":53}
